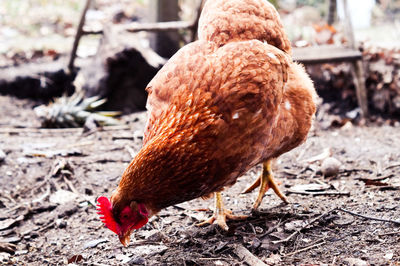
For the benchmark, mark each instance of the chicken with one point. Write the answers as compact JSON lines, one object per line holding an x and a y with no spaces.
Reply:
{"x":219,"y":106}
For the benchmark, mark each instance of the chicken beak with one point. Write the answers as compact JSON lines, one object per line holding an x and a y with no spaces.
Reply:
{"x":125,"y":238}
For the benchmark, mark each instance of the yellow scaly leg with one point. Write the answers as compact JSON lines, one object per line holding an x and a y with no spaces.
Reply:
{"x":221,"y":214}
{"x":265,"y":181}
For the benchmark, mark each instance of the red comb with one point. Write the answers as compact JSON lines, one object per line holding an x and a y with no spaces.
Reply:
{"x":104,"y":209}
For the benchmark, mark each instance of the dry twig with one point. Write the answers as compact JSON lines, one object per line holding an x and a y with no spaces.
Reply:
{"x":390,"y":233}
{"x":131,"y":151}
{"x":314,"y":245}
{"x":302,"y":228}
{"x":45,"y":195}
{"x":245,"y":255}
{"x":369,"y":217}
{"x":327,"y":193}
{"x":392,"y":166}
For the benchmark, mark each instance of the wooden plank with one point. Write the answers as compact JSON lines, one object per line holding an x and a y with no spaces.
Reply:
{"x":158,"y":26}
{"x":325,"y":54}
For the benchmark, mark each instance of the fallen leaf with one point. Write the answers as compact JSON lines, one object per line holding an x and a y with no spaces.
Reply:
{"x":7,"y":223}
{"x":53,"y":153}
{"x":13,"y":239}
{"x":94,"y":243}
{"x":372,"y":182}
{"x":294,"y":225}
{"x":75,"y":259}
{"x":310,"y":187}
{"x":343,"y":221}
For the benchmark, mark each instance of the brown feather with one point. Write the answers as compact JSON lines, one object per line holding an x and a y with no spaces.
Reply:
{"x":218,"y":107}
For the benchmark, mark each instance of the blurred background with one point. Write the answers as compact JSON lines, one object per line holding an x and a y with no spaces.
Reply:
{"x":119,"y":49}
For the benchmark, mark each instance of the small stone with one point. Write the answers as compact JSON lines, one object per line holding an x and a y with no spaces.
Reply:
{"x":2,"y":155}
{"x":61,"y":223}
{"x":137,"y":261}
{"x":330,"y":166}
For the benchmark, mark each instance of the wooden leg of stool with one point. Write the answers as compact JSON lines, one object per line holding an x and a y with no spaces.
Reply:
{"x":361,"y":91}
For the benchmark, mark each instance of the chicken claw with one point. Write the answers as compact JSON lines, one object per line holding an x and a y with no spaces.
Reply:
{"x":221,"y":214}
{"x":265,"y":181}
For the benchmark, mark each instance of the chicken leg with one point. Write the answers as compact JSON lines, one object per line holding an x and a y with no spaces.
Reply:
{"x":221,"y":214}
{"x":265,"y":182}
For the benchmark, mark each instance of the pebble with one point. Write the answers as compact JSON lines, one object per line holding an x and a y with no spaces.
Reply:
{"x":137,"y":260}
{"x":61,"y":223}
{"x":2,"y":156}
{"x":330,"y":166}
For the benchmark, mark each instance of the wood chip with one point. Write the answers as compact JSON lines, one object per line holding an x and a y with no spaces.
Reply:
{"x":246,"y":256}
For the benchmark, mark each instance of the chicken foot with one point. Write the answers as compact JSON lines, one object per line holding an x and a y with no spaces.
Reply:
{"x":265,"y":182}
{"x":221,"y":214}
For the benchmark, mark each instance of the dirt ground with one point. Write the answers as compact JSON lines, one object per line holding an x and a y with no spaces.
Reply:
{"x":50,"y":179}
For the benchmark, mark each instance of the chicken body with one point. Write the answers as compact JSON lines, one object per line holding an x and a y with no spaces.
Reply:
{"x":221,"y":105}
{"x":213,"y":112}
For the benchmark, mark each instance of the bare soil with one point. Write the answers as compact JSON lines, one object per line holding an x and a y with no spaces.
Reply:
{"x":50,"y":179}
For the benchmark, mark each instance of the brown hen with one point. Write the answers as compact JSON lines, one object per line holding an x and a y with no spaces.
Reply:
{"x":221,"y":105}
